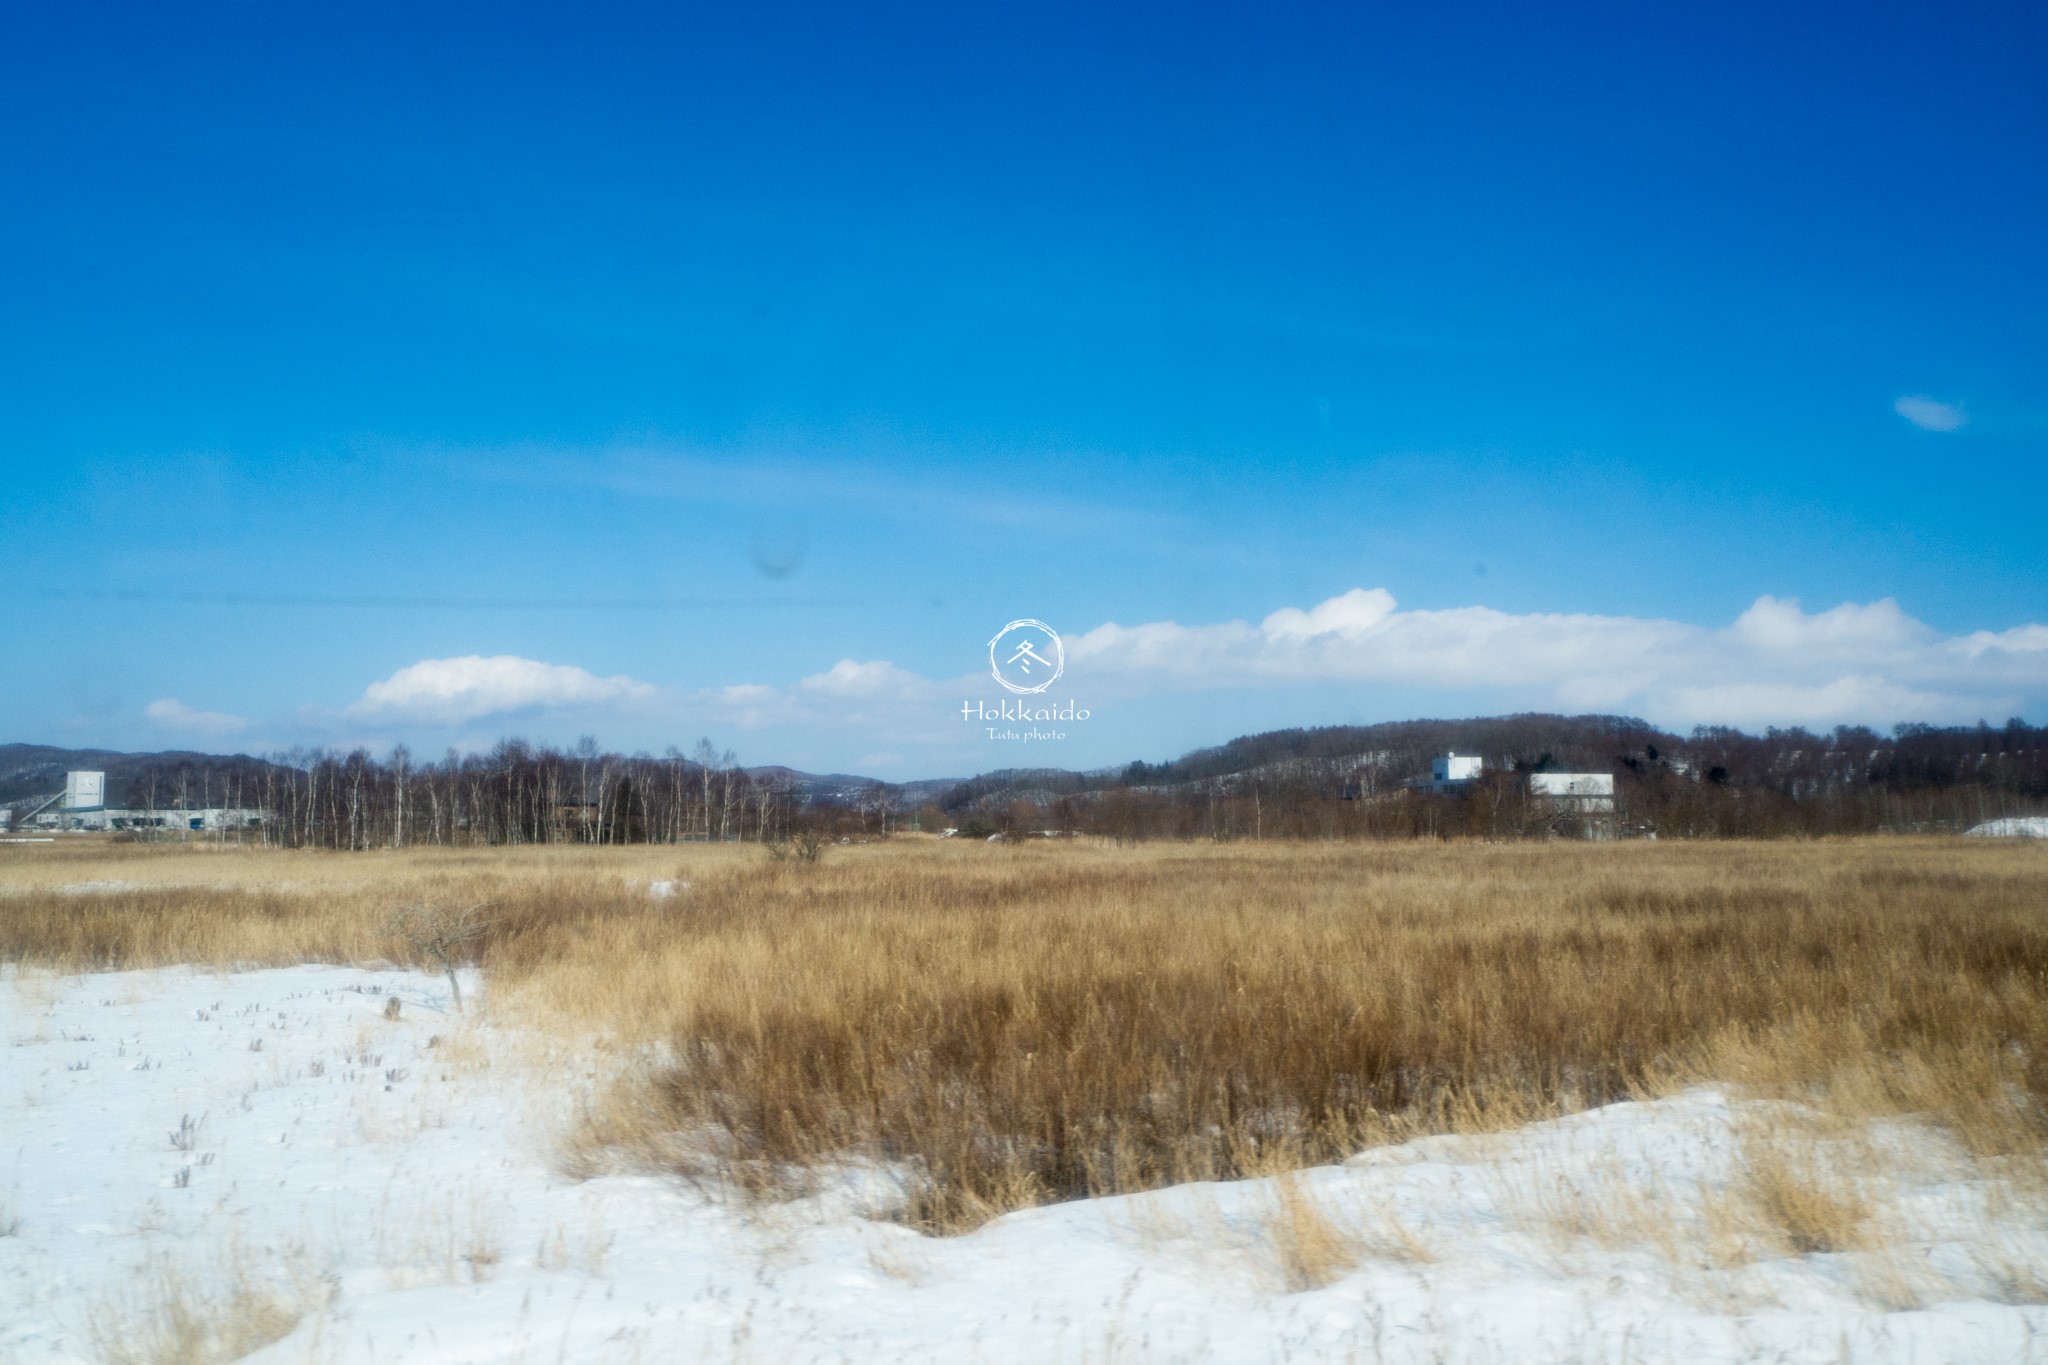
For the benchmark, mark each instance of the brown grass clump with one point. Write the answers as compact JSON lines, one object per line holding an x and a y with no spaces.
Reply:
{"x":1015,"y":1024}
{"x":1604,"y":1207}
{"x":1314,"y":1249}
{"x":177,"y":1317}
{"x":1802,"y":1200}
{"x":2014,"y":1272}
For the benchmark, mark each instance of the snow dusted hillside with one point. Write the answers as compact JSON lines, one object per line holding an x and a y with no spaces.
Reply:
{"x":266,"y":1153}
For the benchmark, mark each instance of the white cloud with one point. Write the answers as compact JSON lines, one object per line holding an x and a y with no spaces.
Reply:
{"x":850,"y":678}
{"x":1774,"y":664}
{"x":172,"y":714}
{"x":1778,"y":624}
{"x":2018,"y":640}
{"x":1929,"y":414}
{"x":452,"y":691}
{"x":1350,"y":614}
{"x":875,"y":695}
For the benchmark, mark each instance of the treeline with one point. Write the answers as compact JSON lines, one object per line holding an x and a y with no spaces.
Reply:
{"x":517,"y":793}
{"x":1340,"y":782}
{"x":1346,"y":782}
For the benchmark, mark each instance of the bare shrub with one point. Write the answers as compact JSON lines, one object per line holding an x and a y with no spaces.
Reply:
{"x":802,"y":848}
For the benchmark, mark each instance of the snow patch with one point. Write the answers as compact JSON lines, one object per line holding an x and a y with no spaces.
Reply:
{"x":391,"y":1178}
{"x":2015,"y":827}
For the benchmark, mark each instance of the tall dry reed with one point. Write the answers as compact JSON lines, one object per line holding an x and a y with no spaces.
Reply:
{"x":1014,"y":1026}
{"x":1011,"y":1025}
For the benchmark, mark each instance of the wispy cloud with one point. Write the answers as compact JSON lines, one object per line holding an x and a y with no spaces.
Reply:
{"x":172,"y":714}
{"x":454,"y":691}
{"x":1930,"y":414}
{"x":782,"y":481}
{"x":874,"y":696}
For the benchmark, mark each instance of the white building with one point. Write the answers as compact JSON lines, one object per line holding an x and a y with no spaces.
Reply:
{"x":1588,"y":796}
{"x":85,"y":791}
{"x":1589,"y":792}
{"x":1453,"y":772}
{"x":81,"y":807}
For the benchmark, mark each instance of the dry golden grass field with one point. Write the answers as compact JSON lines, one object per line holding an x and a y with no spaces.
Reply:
{"x":1030,"y":1023}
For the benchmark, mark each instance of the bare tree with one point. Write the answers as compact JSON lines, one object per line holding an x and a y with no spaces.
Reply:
{"x":400,"y":758}
{"x":439,"y":932}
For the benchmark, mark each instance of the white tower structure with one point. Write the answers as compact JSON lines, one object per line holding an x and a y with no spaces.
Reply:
{"x":85,"y":791}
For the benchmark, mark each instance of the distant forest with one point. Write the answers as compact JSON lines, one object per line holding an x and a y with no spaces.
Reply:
{"x":516,"y":793}
{"x":1341,"y":782}
{"x":1337,"y":782}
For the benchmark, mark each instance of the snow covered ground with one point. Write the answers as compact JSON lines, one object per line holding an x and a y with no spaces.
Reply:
{"x":2014,"y":827}
{"x":230,"y":1146}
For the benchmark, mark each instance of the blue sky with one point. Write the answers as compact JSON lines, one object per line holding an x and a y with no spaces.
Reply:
{"x":427,"y":373}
